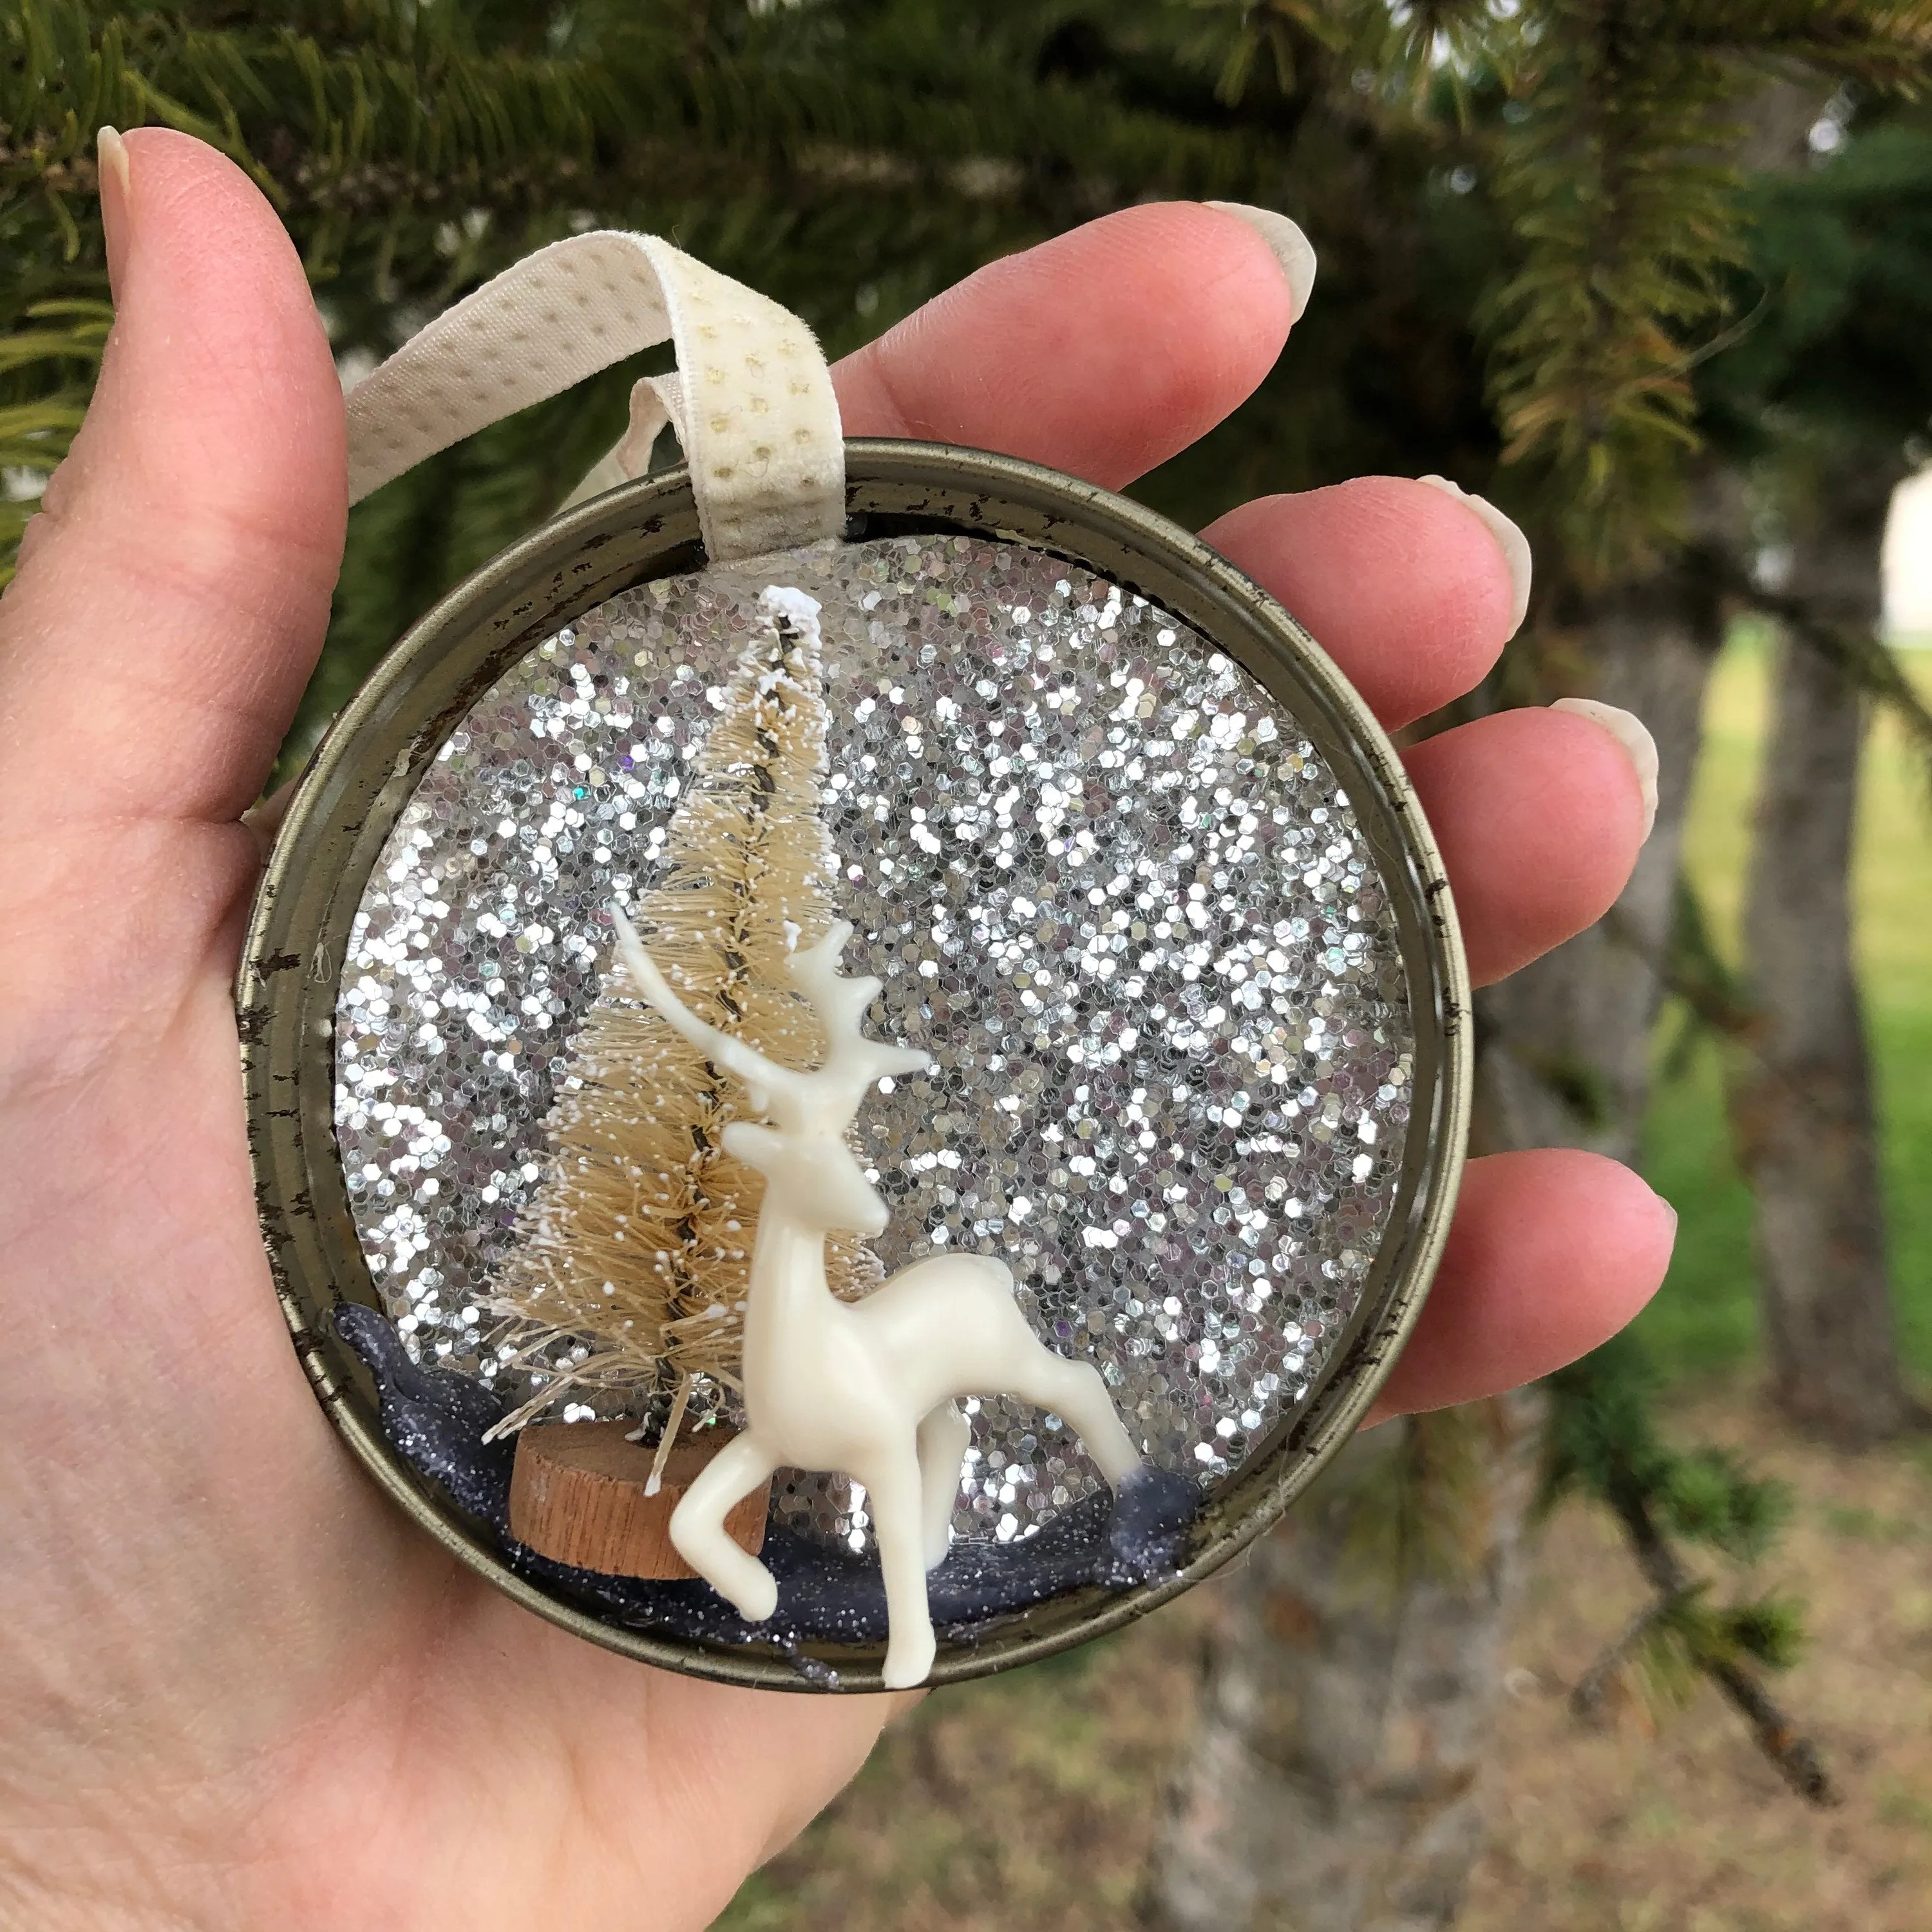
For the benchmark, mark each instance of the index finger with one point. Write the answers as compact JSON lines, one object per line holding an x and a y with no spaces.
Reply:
{"x":1102,"y":351}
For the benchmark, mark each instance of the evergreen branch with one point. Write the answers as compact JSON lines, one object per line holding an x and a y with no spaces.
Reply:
{"x":1692,"y":967}
{"x":1635,"y":227}
{"x":46,"y":372}
{"x":1795,"y":1755}
{"x":1591,"y":1691}
{"x":1770,"y":1630}
{"x":1411,"y":47}
{"x":1675,"y":1640}
{"x":30,"y":432}
{"x":1709,"y":1497}
{"x":1426,"y":1511}
{"x":1627,"y":216}
{"x":1866,"y":660}
{"x":45,"y":345}
{"x":412,"y":151}
{"x":1603,"y":1442}
{"x":1886,"y":44}
{"x":1276,"y":35}
{"x":1716,"y":1001}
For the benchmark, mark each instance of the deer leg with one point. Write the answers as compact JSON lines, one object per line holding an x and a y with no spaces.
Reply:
{"x":943,"y":1438}
{"x":893,"y":1492}
{"x":698,"y":1534}
{"x":1074,"y":1391}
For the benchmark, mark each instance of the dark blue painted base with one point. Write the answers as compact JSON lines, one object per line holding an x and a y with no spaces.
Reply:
{"x":436,"y":1420}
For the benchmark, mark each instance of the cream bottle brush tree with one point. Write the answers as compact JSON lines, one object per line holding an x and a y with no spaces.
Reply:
{"x":629,"y":1279}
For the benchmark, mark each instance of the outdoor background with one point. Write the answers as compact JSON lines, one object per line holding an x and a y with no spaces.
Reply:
{"x":1648,"y":1648}
{"x":1028,"y":1804}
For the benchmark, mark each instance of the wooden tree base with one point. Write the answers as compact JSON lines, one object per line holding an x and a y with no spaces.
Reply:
{"x":577,"y":1495}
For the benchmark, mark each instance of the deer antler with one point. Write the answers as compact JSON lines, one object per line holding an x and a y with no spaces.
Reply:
{"x":763,"y":1078}
{"x":851,"y":1056}
{"x":852,"y":1061}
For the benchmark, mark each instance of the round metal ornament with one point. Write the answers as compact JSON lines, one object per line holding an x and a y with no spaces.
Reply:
{"x":1139,"y":876}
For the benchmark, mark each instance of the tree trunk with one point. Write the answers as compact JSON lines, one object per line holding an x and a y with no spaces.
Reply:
{"x":1564,"y":1046}
{"x":1333,"y":1782}
{"x":1804,"y":1111}
{"x":1332,"y":1785}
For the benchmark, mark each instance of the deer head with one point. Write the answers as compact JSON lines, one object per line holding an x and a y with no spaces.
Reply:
{"x":810,"y":1171}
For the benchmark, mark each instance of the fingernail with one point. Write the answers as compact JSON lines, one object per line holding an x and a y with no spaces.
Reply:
{"x":110,"y":154}
{"x":1670,"y":1211}
{"x":1633,"y":735}
{"x":1290,"y":247}
{"x":1514,"y":545}
{"x":110,"y":158}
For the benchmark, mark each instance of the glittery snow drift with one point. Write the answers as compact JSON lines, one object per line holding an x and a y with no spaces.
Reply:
{"x":437,"y":1421}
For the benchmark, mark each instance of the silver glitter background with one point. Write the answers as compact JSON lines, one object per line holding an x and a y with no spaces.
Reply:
{"x":1107,"y":884}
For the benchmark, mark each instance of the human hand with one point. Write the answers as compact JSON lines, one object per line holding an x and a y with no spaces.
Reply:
{"x":241,"y":1689}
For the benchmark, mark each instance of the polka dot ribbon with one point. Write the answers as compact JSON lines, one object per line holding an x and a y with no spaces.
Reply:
{"x":751,"y":403}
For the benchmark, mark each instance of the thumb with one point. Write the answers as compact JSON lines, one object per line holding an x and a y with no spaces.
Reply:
{"x":174,"y":590}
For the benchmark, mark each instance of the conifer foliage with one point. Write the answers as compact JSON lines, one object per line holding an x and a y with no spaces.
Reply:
{"x":1603,"y":1442}
{"x":1616,"y":164}
{"x":630,"y":1280}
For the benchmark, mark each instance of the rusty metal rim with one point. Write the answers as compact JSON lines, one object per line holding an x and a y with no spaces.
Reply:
{"x":367,"y":768}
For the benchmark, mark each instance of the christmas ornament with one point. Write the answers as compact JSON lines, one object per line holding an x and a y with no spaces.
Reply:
{"x":854,"y":1050}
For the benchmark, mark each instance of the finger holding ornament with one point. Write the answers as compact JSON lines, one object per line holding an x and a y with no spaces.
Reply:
{"x":1412,"y":588}
{"x":1539,"y":814}
{"x":172,"y":598}
{"x":1411,"y":585}
{"x":1102,"y":351}
{"x":179,"y":573}
{"x":1106,"y":350}
{"x":1552,"y":1251}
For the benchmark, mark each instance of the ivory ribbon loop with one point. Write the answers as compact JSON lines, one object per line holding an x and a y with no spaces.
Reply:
{"x":752,"y":402}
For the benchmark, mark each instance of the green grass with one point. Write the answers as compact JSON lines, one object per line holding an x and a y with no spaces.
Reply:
{"x":1704,"y":1319}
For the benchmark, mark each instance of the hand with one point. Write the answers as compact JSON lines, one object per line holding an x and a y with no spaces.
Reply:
{"x":241,"y":1690}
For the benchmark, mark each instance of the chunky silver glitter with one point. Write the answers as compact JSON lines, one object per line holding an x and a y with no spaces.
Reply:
{"x":1108,"y":884}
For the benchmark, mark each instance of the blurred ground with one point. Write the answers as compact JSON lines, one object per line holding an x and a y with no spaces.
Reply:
{"x":1026,"y":1804}
{"x":1683,"y":1827}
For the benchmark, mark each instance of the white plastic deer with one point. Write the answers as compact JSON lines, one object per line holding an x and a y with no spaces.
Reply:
{"x":866,"y":1388}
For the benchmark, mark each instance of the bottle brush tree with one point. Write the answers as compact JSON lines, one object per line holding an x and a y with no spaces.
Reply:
{"x":629,"y":1281}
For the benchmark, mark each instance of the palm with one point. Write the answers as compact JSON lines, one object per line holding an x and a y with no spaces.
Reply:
{"x":198,"y":1553}
{"x":239,"y":1682}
